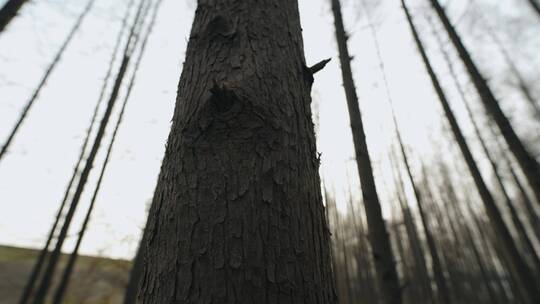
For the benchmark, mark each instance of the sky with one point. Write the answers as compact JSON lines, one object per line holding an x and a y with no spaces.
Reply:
{"x":36,"y":171}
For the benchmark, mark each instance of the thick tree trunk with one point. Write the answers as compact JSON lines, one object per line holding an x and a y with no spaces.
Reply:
{"x":9,"y":11}
{"x":528,"y":163}
{"x":132,"y":288}
{"x":237,"y":215}
{"x":527,"y":281}
{"x":380,"y":241}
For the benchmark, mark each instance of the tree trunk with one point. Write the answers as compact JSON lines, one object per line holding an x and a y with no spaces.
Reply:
{"x":132,"y":288}
{"x":9,"y":11}
{"x":420,"y":264}
{"x":521,"y":82}
{"x":237,"y":215}
{"x":440,"y":281}
{"x":44,"y":79}
{"x":36,"y":270}
{"x":459,"y":217}
{"x":380,"y":242}
{"x":527,"y":279}
{"x":535,"y":6}
{"x":518,"y":225}
{"x":528,"y":163}
{"x":68,"y":270}
{"x":55,"y":255}
{"x":532,"y":214}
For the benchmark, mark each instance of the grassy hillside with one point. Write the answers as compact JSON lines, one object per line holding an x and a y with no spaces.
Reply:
{"x":95,"y":280}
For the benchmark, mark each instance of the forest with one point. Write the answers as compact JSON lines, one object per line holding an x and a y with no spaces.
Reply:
{"x":270,"y":151}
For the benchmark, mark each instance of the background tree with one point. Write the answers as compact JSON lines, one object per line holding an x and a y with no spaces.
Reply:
{"x":9,"y":11}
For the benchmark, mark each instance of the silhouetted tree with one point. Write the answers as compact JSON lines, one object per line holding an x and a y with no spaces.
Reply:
{"x":528,"y":163}
{"x":380,"y":242}
{"x":46,"y":280}
{"x":527,"y":281}
{"x":45,"y":77}
{"x":9,"y":11}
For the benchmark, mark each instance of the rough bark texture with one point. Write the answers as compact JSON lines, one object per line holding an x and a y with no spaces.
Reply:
{"x":237,"y":215}
{"x":386,"y":273}
{"x":9,"y":11}
{"x":527,"y":281}
{"x":528,"y":163}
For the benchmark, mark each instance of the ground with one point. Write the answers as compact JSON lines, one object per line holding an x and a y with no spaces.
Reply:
{"x":95,"y":280}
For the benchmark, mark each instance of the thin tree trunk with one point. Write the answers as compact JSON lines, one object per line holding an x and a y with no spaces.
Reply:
{"x":532,"y":214}
{"x":45,"y":77}
{"x":440,"y":281}
{"x":453,"y":254}
{"x":36,"y":269}
{"x":477,"y":256}
{"x":528,"y":163}
{"x":10,"y":9}
{"x":68,"y":270}
{"x":380,"y":242}
{"x":535,"y":6}
{"x":521,"y":82}
{"x":53,"y":261}
{"x":237,"y":215}
{"x":363,"y":266}
{"x":520,"y":229}
{"x":527,"y":281}
{"x":413,"y":235}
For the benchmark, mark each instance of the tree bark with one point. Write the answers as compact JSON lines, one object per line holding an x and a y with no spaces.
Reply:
{"x":10,"y":9}
{"x":237,"y":215}
{"x":527,"y":280}
{"x":380,"y":242}
{"x":528,"y":163}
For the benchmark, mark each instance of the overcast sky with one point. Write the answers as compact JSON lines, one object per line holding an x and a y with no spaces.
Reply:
{"x":34,"y":174}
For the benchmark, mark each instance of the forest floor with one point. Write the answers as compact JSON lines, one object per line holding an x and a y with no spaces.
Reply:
{"x":95,"y":280}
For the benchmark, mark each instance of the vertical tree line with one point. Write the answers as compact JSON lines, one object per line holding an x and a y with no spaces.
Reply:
{"x":505,"y":241}
{"x":379,"y":239}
